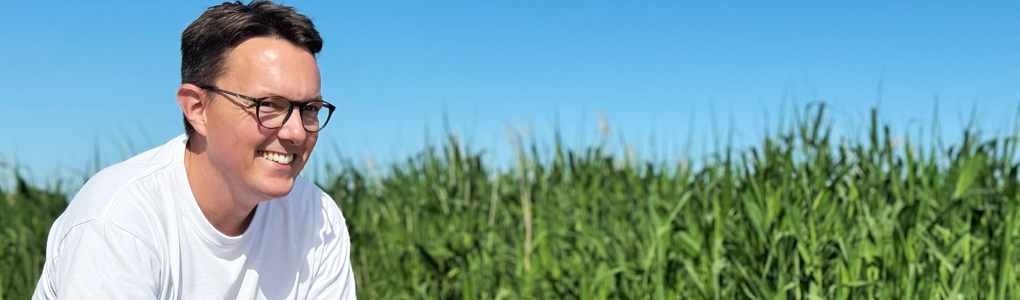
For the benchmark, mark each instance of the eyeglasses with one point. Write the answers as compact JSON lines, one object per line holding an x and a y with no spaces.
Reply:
{"x":273,"y":111}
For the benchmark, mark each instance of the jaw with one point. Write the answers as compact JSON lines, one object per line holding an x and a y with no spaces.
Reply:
{"x":276,"y":188}
{"x":274,"y":173}
{"x":276,"y":164}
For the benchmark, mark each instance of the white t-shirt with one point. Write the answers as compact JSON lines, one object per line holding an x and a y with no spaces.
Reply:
{"x":134,"y":231}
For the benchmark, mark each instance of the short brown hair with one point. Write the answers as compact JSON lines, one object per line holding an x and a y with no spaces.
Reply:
{"x":206,"y":42}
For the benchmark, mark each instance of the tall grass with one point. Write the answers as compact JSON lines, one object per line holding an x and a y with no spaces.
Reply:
{"x":800,"y":215}
{"x":26,"y":214}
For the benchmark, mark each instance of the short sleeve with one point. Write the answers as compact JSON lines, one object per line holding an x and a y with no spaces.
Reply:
{"x":334,"y":279}
{"x":99,"y":260}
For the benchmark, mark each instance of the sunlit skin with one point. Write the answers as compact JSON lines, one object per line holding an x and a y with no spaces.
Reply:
{"x":227,"y":175}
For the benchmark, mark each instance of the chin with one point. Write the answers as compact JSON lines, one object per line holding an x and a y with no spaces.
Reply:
{"x":277,"y":187}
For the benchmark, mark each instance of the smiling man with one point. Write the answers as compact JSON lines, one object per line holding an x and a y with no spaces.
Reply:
{"x":220,"y":212}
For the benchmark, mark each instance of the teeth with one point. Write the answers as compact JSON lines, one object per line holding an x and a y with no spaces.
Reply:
{"x":279,"y":158}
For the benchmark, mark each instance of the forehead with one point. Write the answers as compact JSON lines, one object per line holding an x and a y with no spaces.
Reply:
{"x":271,"y":66}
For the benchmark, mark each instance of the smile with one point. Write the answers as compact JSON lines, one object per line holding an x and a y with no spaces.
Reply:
{"x":283,"y":159}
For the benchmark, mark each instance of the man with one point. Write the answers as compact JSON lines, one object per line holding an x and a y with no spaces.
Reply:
{"x":218,"y":213}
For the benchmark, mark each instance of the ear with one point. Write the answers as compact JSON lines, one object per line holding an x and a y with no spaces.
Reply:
{"x":189,"y":96}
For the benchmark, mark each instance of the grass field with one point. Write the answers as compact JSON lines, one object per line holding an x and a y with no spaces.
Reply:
{"x":798,"y":215}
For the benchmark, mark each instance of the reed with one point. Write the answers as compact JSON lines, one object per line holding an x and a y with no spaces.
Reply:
{"x":799,"y":215}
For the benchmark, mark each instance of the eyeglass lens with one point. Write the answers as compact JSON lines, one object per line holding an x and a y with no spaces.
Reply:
{"x":273,"y":111}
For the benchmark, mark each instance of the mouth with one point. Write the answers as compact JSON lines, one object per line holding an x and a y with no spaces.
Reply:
{"x":280,"y":158}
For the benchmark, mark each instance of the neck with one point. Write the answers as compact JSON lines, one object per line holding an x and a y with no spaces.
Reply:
{"x":221,"y":207}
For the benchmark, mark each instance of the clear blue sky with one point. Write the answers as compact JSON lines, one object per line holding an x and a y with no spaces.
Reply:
{"x":76,"y":74}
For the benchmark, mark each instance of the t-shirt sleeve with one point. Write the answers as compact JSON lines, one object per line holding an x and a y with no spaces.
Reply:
{"x":334,"y":279}
{"x":100,"y":260}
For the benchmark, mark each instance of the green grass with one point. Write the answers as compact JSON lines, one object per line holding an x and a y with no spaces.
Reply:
{"x":798,"y":215}
{"x":25,"y":216}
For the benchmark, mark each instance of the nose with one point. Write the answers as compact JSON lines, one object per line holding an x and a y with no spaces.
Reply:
{"x":293,"y":129}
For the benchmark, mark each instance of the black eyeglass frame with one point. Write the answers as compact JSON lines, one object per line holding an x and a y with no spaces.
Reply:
{"x":258,"y":103}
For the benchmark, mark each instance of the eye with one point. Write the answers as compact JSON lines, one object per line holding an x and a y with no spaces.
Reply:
{"x":273,"y":105}
{"x":268,"y":106}
{"x":313,"y":107}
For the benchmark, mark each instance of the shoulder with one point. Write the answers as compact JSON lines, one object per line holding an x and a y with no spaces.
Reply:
{"x":130,"y":267}
{"x":307,"y":194}
{"x":307,"y":214}
{"x":310,"y":222}
{"x":116,"y":224}
{"x":129,"y":194}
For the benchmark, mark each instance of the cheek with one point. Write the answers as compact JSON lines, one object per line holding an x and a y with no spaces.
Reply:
{"x":219,"y":120}
{"x":310,"y":143}
{"x":233,"y":135}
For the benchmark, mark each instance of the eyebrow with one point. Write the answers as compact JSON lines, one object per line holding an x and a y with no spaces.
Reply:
{"x":288,"y":99}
